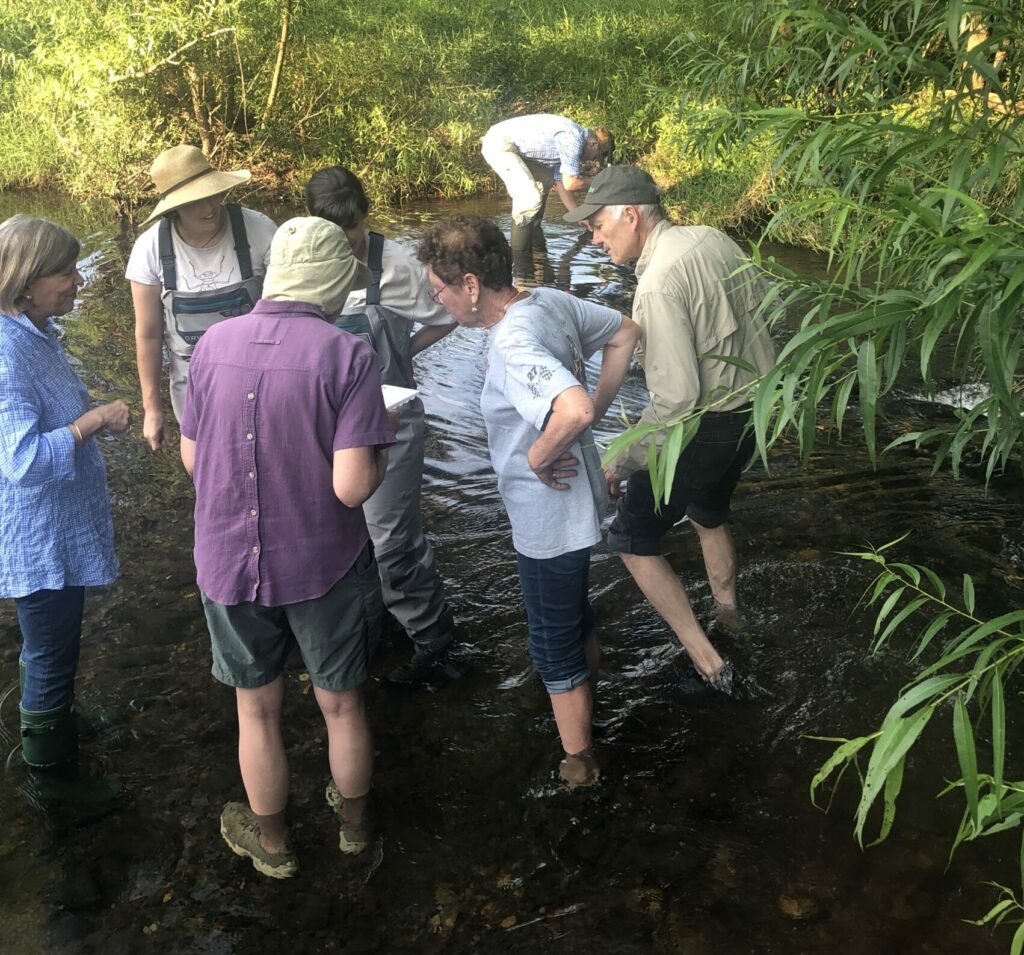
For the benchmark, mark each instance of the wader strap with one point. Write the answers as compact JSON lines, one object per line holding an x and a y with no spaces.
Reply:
{"x":241,"y":239}
{"x":375,"y":262}
{"x":165,"y":246}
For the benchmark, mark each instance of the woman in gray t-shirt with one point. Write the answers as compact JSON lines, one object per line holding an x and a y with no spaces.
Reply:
{"x":538,"y":415}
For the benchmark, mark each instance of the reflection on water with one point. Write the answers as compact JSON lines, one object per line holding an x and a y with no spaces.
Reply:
{"x":701,"y":839}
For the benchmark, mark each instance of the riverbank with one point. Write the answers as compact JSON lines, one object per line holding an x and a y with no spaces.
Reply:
{"x":400,"y":92}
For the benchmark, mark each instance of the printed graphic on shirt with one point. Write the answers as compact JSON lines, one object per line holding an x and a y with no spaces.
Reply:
{"x":536,"y":377}
{"x":210,"y":275}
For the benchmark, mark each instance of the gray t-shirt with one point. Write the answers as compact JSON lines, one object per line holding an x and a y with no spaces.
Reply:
{"x":537,"y":351}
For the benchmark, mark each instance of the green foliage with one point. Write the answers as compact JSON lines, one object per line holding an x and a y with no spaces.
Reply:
{"x":401,"y":92}
{"x":967,"y":678}
{"x":899,"y":146}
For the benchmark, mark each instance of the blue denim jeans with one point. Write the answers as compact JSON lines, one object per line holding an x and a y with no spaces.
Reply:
{"x":51,"y":635}
{"x":560,"y":617}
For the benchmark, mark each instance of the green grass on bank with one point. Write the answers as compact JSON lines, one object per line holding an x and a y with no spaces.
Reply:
{"x":400,"y":90}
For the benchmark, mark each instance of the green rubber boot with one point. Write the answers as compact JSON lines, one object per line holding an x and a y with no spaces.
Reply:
{"x":49,"y":747}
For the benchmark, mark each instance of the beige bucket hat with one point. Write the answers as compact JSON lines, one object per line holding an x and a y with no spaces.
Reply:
{"x":182,"y":174}
{"x":311,"y":261}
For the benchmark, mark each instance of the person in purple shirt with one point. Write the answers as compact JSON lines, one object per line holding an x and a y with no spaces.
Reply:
{"x":285,"y":435}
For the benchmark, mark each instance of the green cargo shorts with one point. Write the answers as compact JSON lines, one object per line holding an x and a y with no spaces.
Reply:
{"x":336,"y":634}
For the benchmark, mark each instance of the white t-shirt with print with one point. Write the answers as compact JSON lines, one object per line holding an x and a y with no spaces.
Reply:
{"x":537,"y":351}
{"x":202,"y":270}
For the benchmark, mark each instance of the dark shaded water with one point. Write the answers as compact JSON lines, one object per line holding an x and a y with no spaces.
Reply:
{"x":702,"y":838}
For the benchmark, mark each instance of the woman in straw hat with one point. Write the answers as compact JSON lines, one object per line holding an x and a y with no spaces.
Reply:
{"x":202,"y":261}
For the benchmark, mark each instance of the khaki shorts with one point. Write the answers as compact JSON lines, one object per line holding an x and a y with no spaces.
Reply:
{"x":336,"y":634}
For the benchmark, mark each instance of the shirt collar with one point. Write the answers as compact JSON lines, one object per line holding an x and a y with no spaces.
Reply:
{"x":278,"y":307}
{"x":652,"y":241}
{"x":25,"y":322}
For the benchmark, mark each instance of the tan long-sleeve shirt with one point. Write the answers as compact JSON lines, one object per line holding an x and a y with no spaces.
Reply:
{"x":692,"y":303}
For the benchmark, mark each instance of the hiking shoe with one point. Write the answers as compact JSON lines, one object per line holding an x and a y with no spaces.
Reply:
{"x":723,"y":680}
{"x":353,"y":837}
{"x":579,"y":770}
{"x":241,"y":832}
{"x":424,"y":666}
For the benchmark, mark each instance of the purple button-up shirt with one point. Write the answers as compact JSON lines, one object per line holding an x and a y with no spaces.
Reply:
{"x":271,"y":396}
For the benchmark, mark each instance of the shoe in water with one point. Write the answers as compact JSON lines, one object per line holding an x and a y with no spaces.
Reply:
{"x":730,"y":619}
{"x":425,"y":666}
{"x":579,"y":770}
{"x":241,"y":832}
{"x":353,"y":837}
{"x":723,"y":679}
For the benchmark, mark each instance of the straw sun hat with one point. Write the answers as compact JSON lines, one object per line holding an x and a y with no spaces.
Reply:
{"x":182,"y":174}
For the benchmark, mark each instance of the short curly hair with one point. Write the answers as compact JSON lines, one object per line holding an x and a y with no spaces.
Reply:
{"x":468,"y":245}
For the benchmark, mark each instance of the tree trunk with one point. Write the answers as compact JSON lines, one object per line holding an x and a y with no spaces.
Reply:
{"x":275,"y":79}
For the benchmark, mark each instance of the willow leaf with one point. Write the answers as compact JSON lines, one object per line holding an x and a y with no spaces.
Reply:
{"x":898,"y":619}
{"x":929,"y":633}
{"x":969,"y":593}
{"x":843,"y":754}
{"x":1017,"y":945}
{"x":896,"y":738}
{"x":998,"y":733}
{"x":893,"y":785}
{"x":963,"y":734}
{"x":890,"y":602}
{"x":867,"y":377}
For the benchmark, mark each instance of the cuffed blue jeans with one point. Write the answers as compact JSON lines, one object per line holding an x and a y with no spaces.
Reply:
{"x":51,"y":633}
{"x":560,"y":617}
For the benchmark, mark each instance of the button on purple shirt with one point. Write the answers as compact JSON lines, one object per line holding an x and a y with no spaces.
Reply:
{"x":271,"y":396}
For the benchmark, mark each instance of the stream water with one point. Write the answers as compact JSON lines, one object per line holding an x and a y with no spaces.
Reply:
{"x":702,"y":838}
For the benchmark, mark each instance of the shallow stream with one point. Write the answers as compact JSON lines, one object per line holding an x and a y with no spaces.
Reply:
{"x":702,"y":838}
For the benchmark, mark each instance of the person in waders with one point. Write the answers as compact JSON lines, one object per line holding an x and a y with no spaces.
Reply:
{"x":386,"y":315}
{"x":531,"y":154}
{"x":56,"y":533}
{"x":201,"y":262}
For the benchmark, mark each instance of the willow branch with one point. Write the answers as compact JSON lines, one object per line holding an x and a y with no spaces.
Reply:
{"x":169,"y":60}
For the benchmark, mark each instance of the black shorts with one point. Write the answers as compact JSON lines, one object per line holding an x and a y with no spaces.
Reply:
{"x":706,"y":475}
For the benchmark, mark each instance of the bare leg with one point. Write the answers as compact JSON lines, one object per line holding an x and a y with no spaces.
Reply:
{"x":665,"y":591}
{"x":573,"y":714}
{"x":261,"y":754}
{"x":719,"y":561}
{"x":350,"y":746}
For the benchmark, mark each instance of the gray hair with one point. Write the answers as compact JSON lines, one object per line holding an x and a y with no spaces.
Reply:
{"x":31,"y":249}
{"x":650,"y":214}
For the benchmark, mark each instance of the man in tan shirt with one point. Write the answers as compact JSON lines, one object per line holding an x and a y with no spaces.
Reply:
{"x":694,"y":302}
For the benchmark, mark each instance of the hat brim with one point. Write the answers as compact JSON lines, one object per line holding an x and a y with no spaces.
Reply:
{"x":212,"y":183}
{"x":581,"y":212}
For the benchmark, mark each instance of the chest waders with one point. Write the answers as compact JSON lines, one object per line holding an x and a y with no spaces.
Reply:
{"x":384,"y":331}
{"x":188,"y":314}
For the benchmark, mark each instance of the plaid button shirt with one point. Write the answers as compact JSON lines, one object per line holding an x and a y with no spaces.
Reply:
{"x":555,"y":141}
{"x":55,"y":525}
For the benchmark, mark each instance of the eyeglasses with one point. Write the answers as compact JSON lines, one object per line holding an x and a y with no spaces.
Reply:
{"x":436,"y":293}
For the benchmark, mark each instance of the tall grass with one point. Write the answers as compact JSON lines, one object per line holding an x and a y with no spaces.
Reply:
{"x":401,"y":91}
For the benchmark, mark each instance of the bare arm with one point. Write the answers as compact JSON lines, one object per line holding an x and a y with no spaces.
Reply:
{"x":572,"y":412}
{"x":149,"y":337}
{"x":615,"y":359}
{"x":358,"y":473}
{"x":428,"y":335}
{"x":566,"y":187}
{"x":188,"y":454}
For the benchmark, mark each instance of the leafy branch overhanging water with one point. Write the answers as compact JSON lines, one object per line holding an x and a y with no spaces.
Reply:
{"x":893,"y":132}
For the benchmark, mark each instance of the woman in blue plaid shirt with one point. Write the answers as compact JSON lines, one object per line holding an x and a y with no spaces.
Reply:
{"x":56,"y":534}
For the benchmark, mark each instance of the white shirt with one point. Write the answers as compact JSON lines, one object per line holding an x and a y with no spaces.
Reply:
{"x":201,"y":270}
